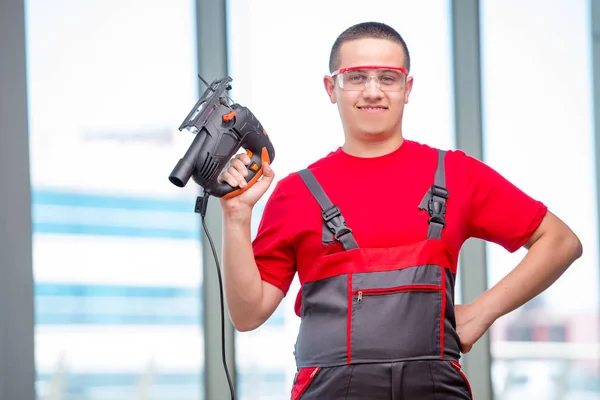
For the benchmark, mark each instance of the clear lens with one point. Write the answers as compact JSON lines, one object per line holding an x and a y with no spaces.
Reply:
{"x":386,"y":80}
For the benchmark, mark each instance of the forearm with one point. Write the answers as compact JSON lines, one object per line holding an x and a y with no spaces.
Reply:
{"x":242,"y":280}
{"x":547,"y":259}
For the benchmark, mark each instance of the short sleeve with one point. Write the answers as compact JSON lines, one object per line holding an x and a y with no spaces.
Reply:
{"x":500,"y":212}
{"x":273,"y":250}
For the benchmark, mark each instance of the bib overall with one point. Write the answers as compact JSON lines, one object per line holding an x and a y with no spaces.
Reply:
{"x":378,"y":323}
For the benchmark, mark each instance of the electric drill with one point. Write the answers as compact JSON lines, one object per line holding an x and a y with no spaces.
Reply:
{"x":221,"y":129}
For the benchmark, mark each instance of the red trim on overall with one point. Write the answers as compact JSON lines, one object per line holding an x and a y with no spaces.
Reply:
{"x":443,"y":313}
{"x":398,"y":289}
{"x":458,"y":367}
{"x":304,"y":378}
{"x":349,"y":323}
{"x":427,"y":252}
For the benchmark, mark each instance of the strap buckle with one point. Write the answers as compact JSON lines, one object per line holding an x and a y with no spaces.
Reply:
{"x":439,"y":191}
{"x":436,"y":207}
{"x":437,"y":212}
{"x":331,"y":213}
{"x":335,"y":221}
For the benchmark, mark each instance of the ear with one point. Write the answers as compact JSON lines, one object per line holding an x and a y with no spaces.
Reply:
{"x":329,"y":83}
{"x":409,"y":85}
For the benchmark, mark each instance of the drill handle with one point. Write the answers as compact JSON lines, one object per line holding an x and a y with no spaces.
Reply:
{"x":258,"y":146}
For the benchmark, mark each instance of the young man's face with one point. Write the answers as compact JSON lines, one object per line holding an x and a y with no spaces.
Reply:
{"x":366,"y":107}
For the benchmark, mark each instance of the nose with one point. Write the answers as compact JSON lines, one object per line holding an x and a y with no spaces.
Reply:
{"x":372,"y":87}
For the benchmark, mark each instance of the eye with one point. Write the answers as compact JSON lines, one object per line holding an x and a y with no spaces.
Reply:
{"x":356,"y":77}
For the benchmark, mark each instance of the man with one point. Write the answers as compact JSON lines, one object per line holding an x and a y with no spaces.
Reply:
{"x":374,"y":230}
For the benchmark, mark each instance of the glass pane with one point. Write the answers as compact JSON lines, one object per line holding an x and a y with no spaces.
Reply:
{"x":539,"y":134}
{"x":117,"y":260}
{"x":304,"y":125}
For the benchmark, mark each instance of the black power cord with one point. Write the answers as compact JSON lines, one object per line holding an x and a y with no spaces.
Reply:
{"x":200,"y":208}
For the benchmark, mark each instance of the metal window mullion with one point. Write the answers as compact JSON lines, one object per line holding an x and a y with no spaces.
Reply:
{"x":595,"y":32}
{"x":466,"y":56}
{"x":211,"y":39}
{"x":17,"y":367}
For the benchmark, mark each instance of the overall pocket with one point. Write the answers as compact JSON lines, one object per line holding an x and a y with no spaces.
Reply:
{"x":303,"y":379}
{"x":395,"y":323}
{"x":458,"y":368}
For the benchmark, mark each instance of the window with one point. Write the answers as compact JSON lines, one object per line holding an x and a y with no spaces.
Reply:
{"x":536,"y":64}
{"x":116,"y":250}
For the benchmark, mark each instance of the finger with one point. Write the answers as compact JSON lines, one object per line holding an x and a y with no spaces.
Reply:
{"x":234,"y":178}
{"x":227,"y":177}
{"x":239,"y":175}
{"x":243,"y":157}
{"x":239,"y":167}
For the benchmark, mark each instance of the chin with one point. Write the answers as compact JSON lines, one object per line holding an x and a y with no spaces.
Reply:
{"x":371,"y":131}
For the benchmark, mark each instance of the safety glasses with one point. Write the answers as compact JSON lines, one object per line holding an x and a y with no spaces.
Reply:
{"x":388,"y":79}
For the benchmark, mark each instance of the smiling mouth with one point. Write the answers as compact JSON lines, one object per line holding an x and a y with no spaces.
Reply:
{"x":372,"y":108}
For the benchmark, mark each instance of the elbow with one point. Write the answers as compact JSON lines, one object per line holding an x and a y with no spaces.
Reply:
{"x":244,"y":327}
{"x":245,"y":324}
{"x":569,"y":246}
{"x":558,"y":239}
{"x":575,"y":247}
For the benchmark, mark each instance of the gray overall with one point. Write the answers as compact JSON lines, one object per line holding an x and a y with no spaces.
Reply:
{"x":378,"y":323}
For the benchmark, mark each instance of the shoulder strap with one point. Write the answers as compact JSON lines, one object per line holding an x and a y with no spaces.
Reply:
{"x":435,"y":200}
{"x":333,"y":220}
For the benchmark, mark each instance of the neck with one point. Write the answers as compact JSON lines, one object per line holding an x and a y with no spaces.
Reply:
{"x":373,"y":148}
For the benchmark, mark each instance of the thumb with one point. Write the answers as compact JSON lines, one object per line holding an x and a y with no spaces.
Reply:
{"x":267,"y":177}
{"x":268,"y":172}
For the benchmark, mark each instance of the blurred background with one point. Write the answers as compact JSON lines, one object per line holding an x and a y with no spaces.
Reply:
{"x":121,"y":290}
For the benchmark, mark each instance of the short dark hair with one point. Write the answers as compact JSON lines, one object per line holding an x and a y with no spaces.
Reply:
{"x":364,"y":30}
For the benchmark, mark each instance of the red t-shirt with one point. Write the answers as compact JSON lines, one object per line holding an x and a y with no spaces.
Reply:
{"x":379,"y":199}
